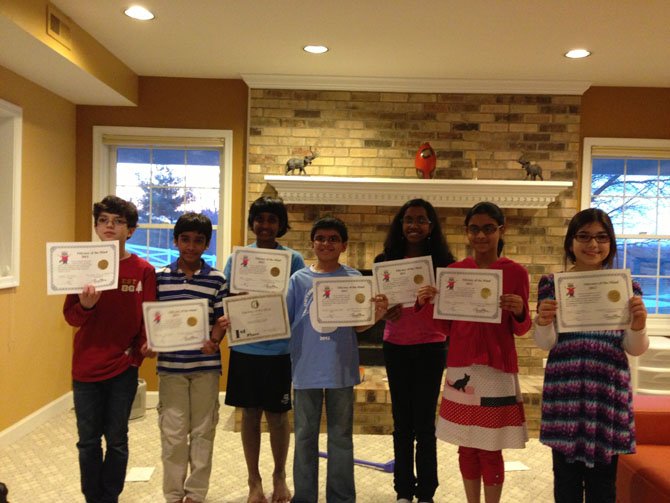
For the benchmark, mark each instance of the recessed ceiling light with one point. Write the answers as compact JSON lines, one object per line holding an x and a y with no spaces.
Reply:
{"x":315,"y":49}
{"x":577,"y":53}
{"x":138,"y":12}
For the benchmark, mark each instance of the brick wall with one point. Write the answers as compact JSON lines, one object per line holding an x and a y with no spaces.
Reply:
{"x":376,"y":134}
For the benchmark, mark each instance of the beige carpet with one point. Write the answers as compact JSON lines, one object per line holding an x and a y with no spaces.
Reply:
{"x":42,"y":467}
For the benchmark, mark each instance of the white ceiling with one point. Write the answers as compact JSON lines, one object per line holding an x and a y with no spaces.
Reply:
{"x":425,"y":45}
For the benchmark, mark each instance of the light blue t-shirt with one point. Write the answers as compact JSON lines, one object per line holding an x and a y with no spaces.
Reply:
{"x":266,"y":348}
{"x":320,"y":357}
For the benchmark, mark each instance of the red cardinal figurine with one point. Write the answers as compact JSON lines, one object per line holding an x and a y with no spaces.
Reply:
{"x":425,"y":161}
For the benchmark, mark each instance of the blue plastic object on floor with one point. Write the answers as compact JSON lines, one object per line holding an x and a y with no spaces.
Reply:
{"x":384,"y":467}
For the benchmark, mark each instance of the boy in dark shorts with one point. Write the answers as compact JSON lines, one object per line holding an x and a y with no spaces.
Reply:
{"x":259,"y":374}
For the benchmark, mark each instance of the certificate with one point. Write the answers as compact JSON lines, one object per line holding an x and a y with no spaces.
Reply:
{"x":259,"y":270}
{"x":176,"y":324}
{"x":399,"y":280}
{"x":593,"y":300}
{"x":256,"y":318}
{"x":71,"y":266}
{"x":469,"y":295}
{"x":344,"y":301}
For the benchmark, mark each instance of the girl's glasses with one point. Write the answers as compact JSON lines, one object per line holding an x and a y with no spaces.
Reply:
{"x":486,"y":229}
{"x":417,"y":221}
{"x":585,"y":237}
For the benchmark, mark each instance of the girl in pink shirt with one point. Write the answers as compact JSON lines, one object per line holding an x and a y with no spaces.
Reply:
{"x":414,"y":354}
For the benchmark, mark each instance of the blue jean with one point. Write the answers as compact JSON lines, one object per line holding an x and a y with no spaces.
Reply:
{"x":103,"y":408}
{"x":415,"y":375}
{"x":307,"y":407}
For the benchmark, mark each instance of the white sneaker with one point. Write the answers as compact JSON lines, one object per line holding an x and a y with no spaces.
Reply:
{"x":403,"y":500}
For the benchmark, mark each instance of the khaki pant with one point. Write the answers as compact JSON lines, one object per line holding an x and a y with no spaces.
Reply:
{"x":188,"y":412}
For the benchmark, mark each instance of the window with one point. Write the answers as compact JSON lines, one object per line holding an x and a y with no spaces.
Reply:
{"x":11,"y":118}
{"x":630,"y":180}
{"x":166,"y":173}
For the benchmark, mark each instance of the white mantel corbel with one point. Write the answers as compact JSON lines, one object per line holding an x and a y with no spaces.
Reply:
{"x":396,"y":191}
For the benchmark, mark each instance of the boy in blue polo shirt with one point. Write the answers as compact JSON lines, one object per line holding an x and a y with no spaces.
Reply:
{"x":188,"y":394}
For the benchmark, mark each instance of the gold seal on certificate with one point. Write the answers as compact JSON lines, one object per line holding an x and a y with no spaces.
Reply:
{"x":256,"y":317}
{"x":177,"y":324}
{"x":468,"y":295}
{"x":71,"y":266}
{"x":259,"y":270}
{"x":343,"y":301}
{"x":400,"y":279}
{"x":593,"y":300}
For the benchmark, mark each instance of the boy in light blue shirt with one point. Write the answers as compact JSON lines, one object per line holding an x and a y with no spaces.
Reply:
{"x":324,"y":362}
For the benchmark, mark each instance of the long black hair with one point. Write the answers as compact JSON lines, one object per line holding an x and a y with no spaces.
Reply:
{"x":435,"y":245}
{"x":492,"y":210}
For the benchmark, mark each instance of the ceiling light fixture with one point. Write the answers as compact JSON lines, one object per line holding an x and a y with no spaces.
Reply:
{"x":138,"y":12}
{"x":577,"y":54}
{"x":315,"y":49}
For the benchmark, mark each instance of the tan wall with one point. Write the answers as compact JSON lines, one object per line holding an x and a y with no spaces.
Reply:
{"x":35,"y":341}
{"x":626,"y":112}
{"x":169,"y":103}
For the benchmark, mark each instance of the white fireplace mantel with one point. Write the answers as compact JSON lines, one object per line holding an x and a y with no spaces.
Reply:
{"x":396,"y":191}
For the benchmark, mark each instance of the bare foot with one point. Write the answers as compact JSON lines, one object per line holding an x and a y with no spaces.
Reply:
{"x":280,"y":491}
{"x":256,"y":494}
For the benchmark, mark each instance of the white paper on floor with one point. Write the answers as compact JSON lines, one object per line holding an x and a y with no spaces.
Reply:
{"x":140,"y":473}
{"x":515,"y":466}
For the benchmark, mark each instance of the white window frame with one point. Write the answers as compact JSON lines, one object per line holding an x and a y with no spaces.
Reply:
{"x":11,"y":140}
{"x":657,"y":324}
{"x":104,"y":178}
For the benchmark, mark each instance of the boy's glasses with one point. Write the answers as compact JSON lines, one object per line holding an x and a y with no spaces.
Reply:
{"x":486,"y":229}
{"x":116,"y":222}
{"x":417,"y":221}
{"x":327,"y":239}
{"x":585,"y":237}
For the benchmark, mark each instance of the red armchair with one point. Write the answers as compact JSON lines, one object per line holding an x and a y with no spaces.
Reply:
{"x":644,"y":477}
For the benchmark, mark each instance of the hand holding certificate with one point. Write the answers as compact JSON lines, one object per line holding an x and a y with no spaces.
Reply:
{"x":399,"y":280}
{"x":259,"y":270}
{"x":344,"y":301}
{"x":71,"y":266}
{"x":256,"y":318}
{"x":177,"y":324}
{"x":469,"y":295}
{"x":593,"y":300}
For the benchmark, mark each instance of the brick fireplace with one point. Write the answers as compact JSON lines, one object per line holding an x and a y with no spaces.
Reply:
{"x":362,"y":135}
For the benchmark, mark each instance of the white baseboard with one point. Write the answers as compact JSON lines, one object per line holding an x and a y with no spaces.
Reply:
{"x":29,"y":423}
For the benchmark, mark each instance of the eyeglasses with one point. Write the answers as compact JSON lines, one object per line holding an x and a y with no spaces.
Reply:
{"x":486,"y":229}
{"x":417,"y":221}
{"x":327,"y":239}
{"x":116,"y":221}
{"x":585,"y":237}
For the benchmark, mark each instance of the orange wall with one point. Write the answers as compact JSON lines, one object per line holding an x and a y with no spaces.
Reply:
{"x":169,"y":103}
{"x":626,"y":112}
{"x":35,"y":341}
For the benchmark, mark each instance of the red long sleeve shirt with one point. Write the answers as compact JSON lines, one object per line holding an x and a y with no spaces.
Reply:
{"x":111,"y":334}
